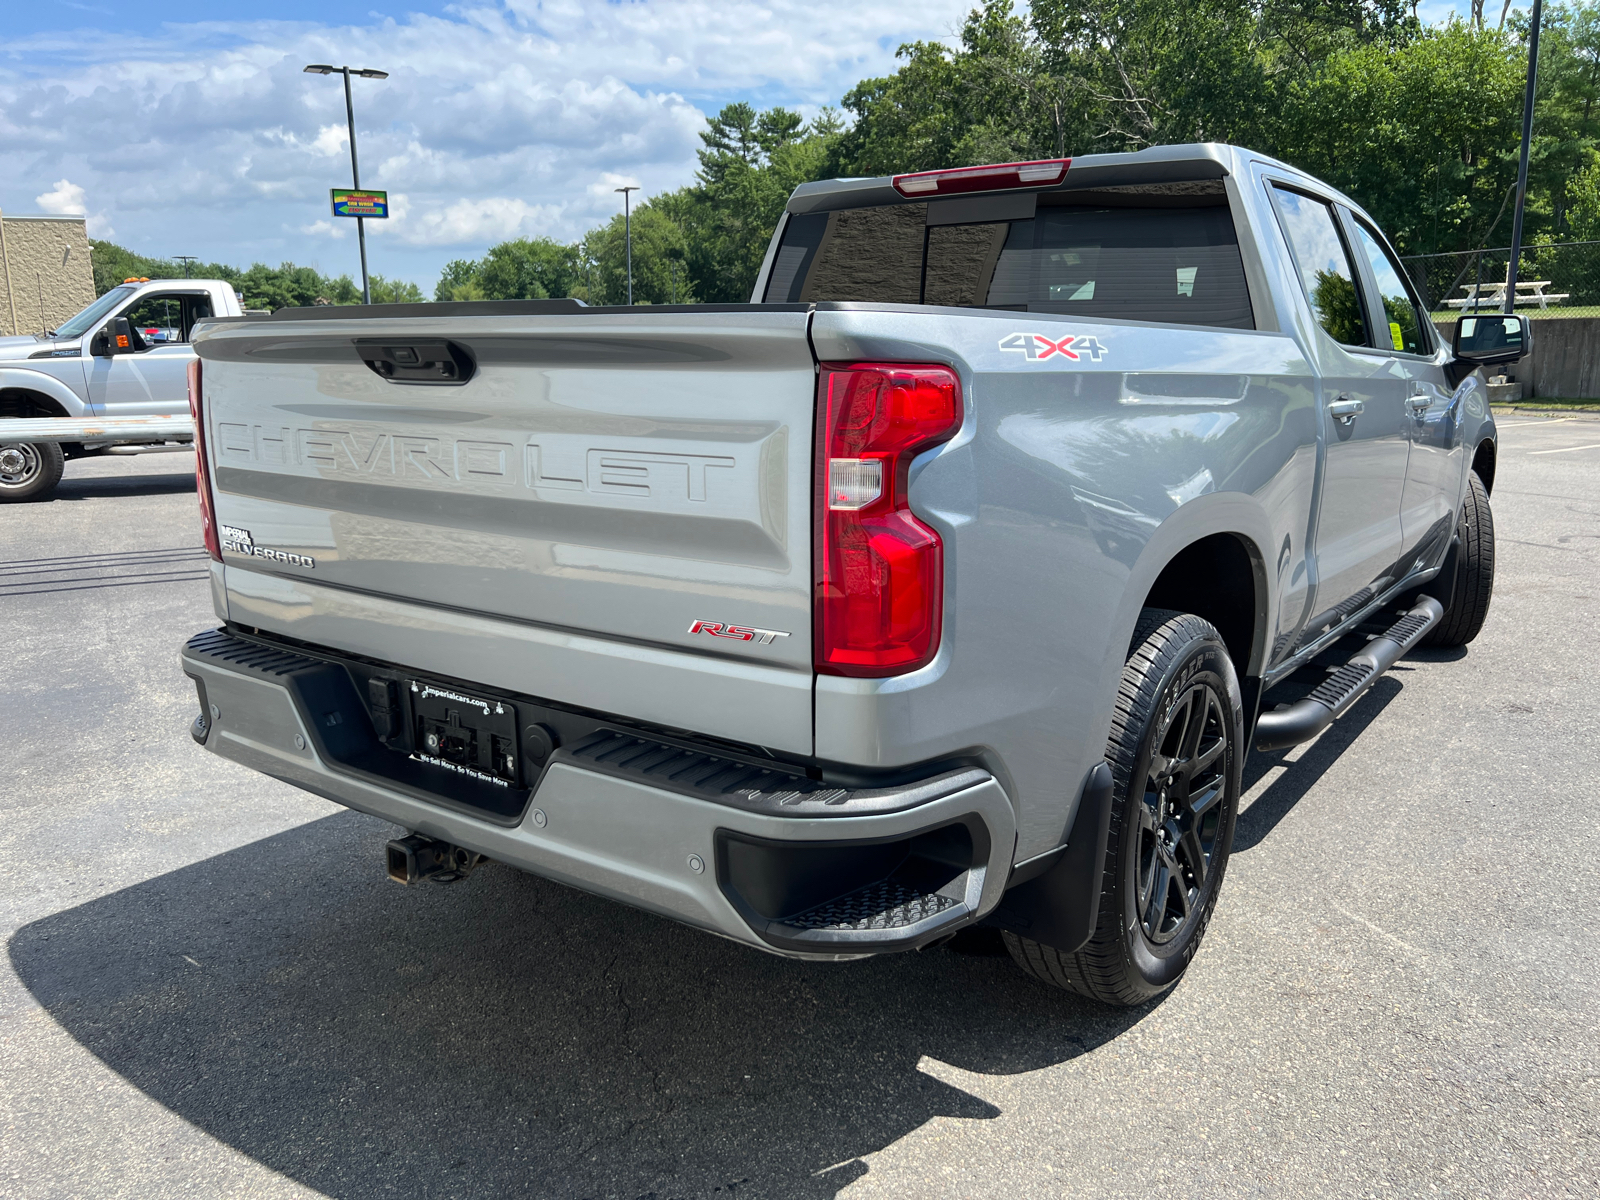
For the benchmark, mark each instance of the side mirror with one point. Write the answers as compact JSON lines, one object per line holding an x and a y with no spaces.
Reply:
{"x":1481,"y":341}
{"x":115,"y":337}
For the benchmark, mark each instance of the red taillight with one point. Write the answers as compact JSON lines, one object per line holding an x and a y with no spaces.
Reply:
{"x":880,"y":571}
{"x":202,"y":474}
{"x":995,"y":178}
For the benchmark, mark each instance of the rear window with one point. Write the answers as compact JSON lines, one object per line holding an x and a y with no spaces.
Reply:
{"x":1137,"y":257}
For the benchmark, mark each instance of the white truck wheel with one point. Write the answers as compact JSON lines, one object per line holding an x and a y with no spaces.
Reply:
{"x":29,"y":470}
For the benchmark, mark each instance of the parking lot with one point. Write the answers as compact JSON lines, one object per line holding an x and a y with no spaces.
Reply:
{"x":211,"y":988}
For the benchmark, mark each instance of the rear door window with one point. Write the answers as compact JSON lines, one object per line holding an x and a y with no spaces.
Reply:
{"x":1324,"y":265}
{"x":1175,"y":263}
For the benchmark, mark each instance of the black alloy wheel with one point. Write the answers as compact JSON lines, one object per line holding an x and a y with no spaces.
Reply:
{"x":1181,"y":813}
{"x":1176,"y":751}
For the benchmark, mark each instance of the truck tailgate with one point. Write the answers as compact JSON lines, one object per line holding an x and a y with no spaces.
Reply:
{"x":601,"y":481}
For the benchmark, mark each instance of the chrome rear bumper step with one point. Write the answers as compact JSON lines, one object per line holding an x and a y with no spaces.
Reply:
{"x":756,"y":851}
{"x":1292,"y":724}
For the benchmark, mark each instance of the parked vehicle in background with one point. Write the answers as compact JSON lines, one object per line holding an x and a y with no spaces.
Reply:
{"x":127,"y":355}
{"x":939,"y":585}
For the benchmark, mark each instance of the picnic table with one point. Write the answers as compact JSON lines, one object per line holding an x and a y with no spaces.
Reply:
{"x":1493,"y":295}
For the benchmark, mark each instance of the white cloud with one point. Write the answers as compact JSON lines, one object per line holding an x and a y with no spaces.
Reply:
{"x":482,"y":221}
{"x":514,"y":119}
{"x":65,"y":198}
{"x":331,"y":140}
{"x":610,"y":181}
{"x":322,"y":229}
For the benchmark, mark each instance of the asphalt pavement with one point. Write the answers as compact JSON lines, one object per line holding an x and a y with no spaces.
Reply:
{"x":210,"y":987}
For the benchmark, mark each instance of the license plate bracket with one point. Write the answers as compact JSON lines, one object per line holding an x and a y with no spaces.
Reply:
{"x":471,"y":735}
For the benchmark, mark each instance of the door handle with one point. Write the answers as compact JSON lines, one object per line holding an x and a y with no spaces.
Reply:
{"x":1345,"y":410}
{"x":1419,"y":402}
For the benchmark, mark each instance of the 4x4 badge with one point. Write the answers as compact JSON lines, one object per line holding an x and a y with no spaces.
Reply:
{"x":1036,"y":347}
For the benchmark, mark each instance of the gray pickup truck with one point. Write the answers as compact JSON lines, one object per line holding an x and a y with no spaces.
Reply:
{"x":947,"y":582}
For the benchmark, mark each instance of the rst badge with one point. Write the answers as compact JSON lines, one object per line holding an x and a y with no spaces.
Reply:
{"x":741,"y":633}
{"x":1036,"y":347}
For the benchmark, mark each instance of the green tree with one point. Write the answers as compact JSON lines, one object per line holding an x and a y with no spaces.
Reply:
{"x":459,"y":281}
{"x":659,"y":249}
{"x":1338,"y":307}
{"x":112,"y":264}
{"x":394,"y":291}
{"x":528,"y":269}
{"x":991,"y":100}
{"x":1080,"y":76}
{"x":1423,"y":135}
{"x":750,"y":163}
{"x":1419,"y":124}
{"x":520,"y":269}
{"x":283,"y":286}
{"x":289,"y":286}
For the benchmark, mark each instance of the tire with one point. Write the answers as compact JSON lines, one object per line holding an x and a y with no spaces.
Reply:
{"x":1178,"y":722}
{"x":29,"y":470}
{"x":1469,"y":599}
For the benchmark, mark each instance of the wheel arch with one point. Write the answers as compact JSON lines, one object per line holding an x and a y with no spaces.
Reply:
{"x":1207,"y":559}
{"x":1220,"y":578}
{"x":1483,"y":460}
{"x":34,"y":394}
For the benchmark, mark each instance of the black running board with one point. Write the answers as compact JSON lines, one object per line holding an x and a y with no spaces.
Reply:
{"x":1296,"y":723}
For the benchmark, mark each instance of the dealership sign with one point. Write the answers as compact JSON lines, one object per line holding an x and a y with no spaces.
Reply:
{"x":348,"y":203}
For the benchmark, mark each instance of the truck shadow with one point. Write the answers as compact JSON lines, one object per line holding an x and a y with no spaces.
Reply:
{"x":509,"y":1035}
{"x":99,"y":487}
{"x":1300,"y":776}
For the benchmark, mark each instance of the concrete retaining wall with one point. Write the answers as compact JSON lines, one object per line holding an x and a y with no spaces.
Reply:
{"x":45,"y":274}
{"x":1565,"y":361}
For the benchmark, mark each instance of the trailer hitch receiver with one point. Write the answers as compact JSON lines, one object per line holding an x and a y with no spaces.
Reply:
{"x":415,"y":858}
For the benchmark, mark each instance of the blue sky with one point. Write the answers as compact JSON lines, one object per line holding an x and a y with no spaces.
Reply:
{"x":188,"y":128}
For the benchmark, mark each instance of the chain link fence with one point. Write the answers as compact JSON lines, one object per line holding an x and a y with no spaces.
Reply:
{"x":1557,"y":280}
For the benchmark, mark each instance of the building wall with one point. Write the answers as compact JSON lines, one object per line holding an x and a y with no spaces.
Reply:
{"x":45,"y":275}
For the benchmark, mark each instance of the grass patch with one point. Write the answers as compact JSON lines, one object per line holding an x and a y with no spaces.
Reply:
{"x":1537,"y":314}
{"x":1549,"y":404}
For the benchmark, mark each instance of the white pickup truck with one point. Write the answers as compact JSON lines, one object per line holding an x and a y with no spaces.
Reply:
{"x":112,"y":380}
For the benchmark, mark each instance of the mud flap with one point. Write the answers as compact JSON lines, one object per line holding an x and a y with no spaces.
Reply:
{"x":1060,"y":906}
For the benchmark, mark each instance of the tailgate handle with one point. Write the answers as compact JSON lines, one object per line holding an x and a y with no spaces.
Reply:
{"x":427,"y":362}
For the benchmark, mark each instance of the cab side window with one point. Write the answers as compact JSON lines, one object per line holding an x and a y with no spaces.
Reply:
{"x":1324,"y":265}
{"x":1402,"y":327}
{"x":159,"y":319}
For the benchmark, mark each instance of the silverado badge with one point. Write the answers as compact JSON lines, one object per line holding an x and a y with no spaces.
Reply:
{"x":239,"y":541}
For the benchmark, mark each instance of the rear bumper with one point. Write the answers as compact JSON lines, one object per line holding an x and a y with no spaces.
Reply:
{"x":805,"y":871}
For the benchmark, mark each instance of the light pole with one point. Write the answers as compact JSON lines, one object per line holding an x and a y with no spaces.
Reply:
{"x":1522,"y":165}
{"x":674,"y":257}
{"x":355,"y":166}
{"x":627,"y":227}
{"x":185,"y":259}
